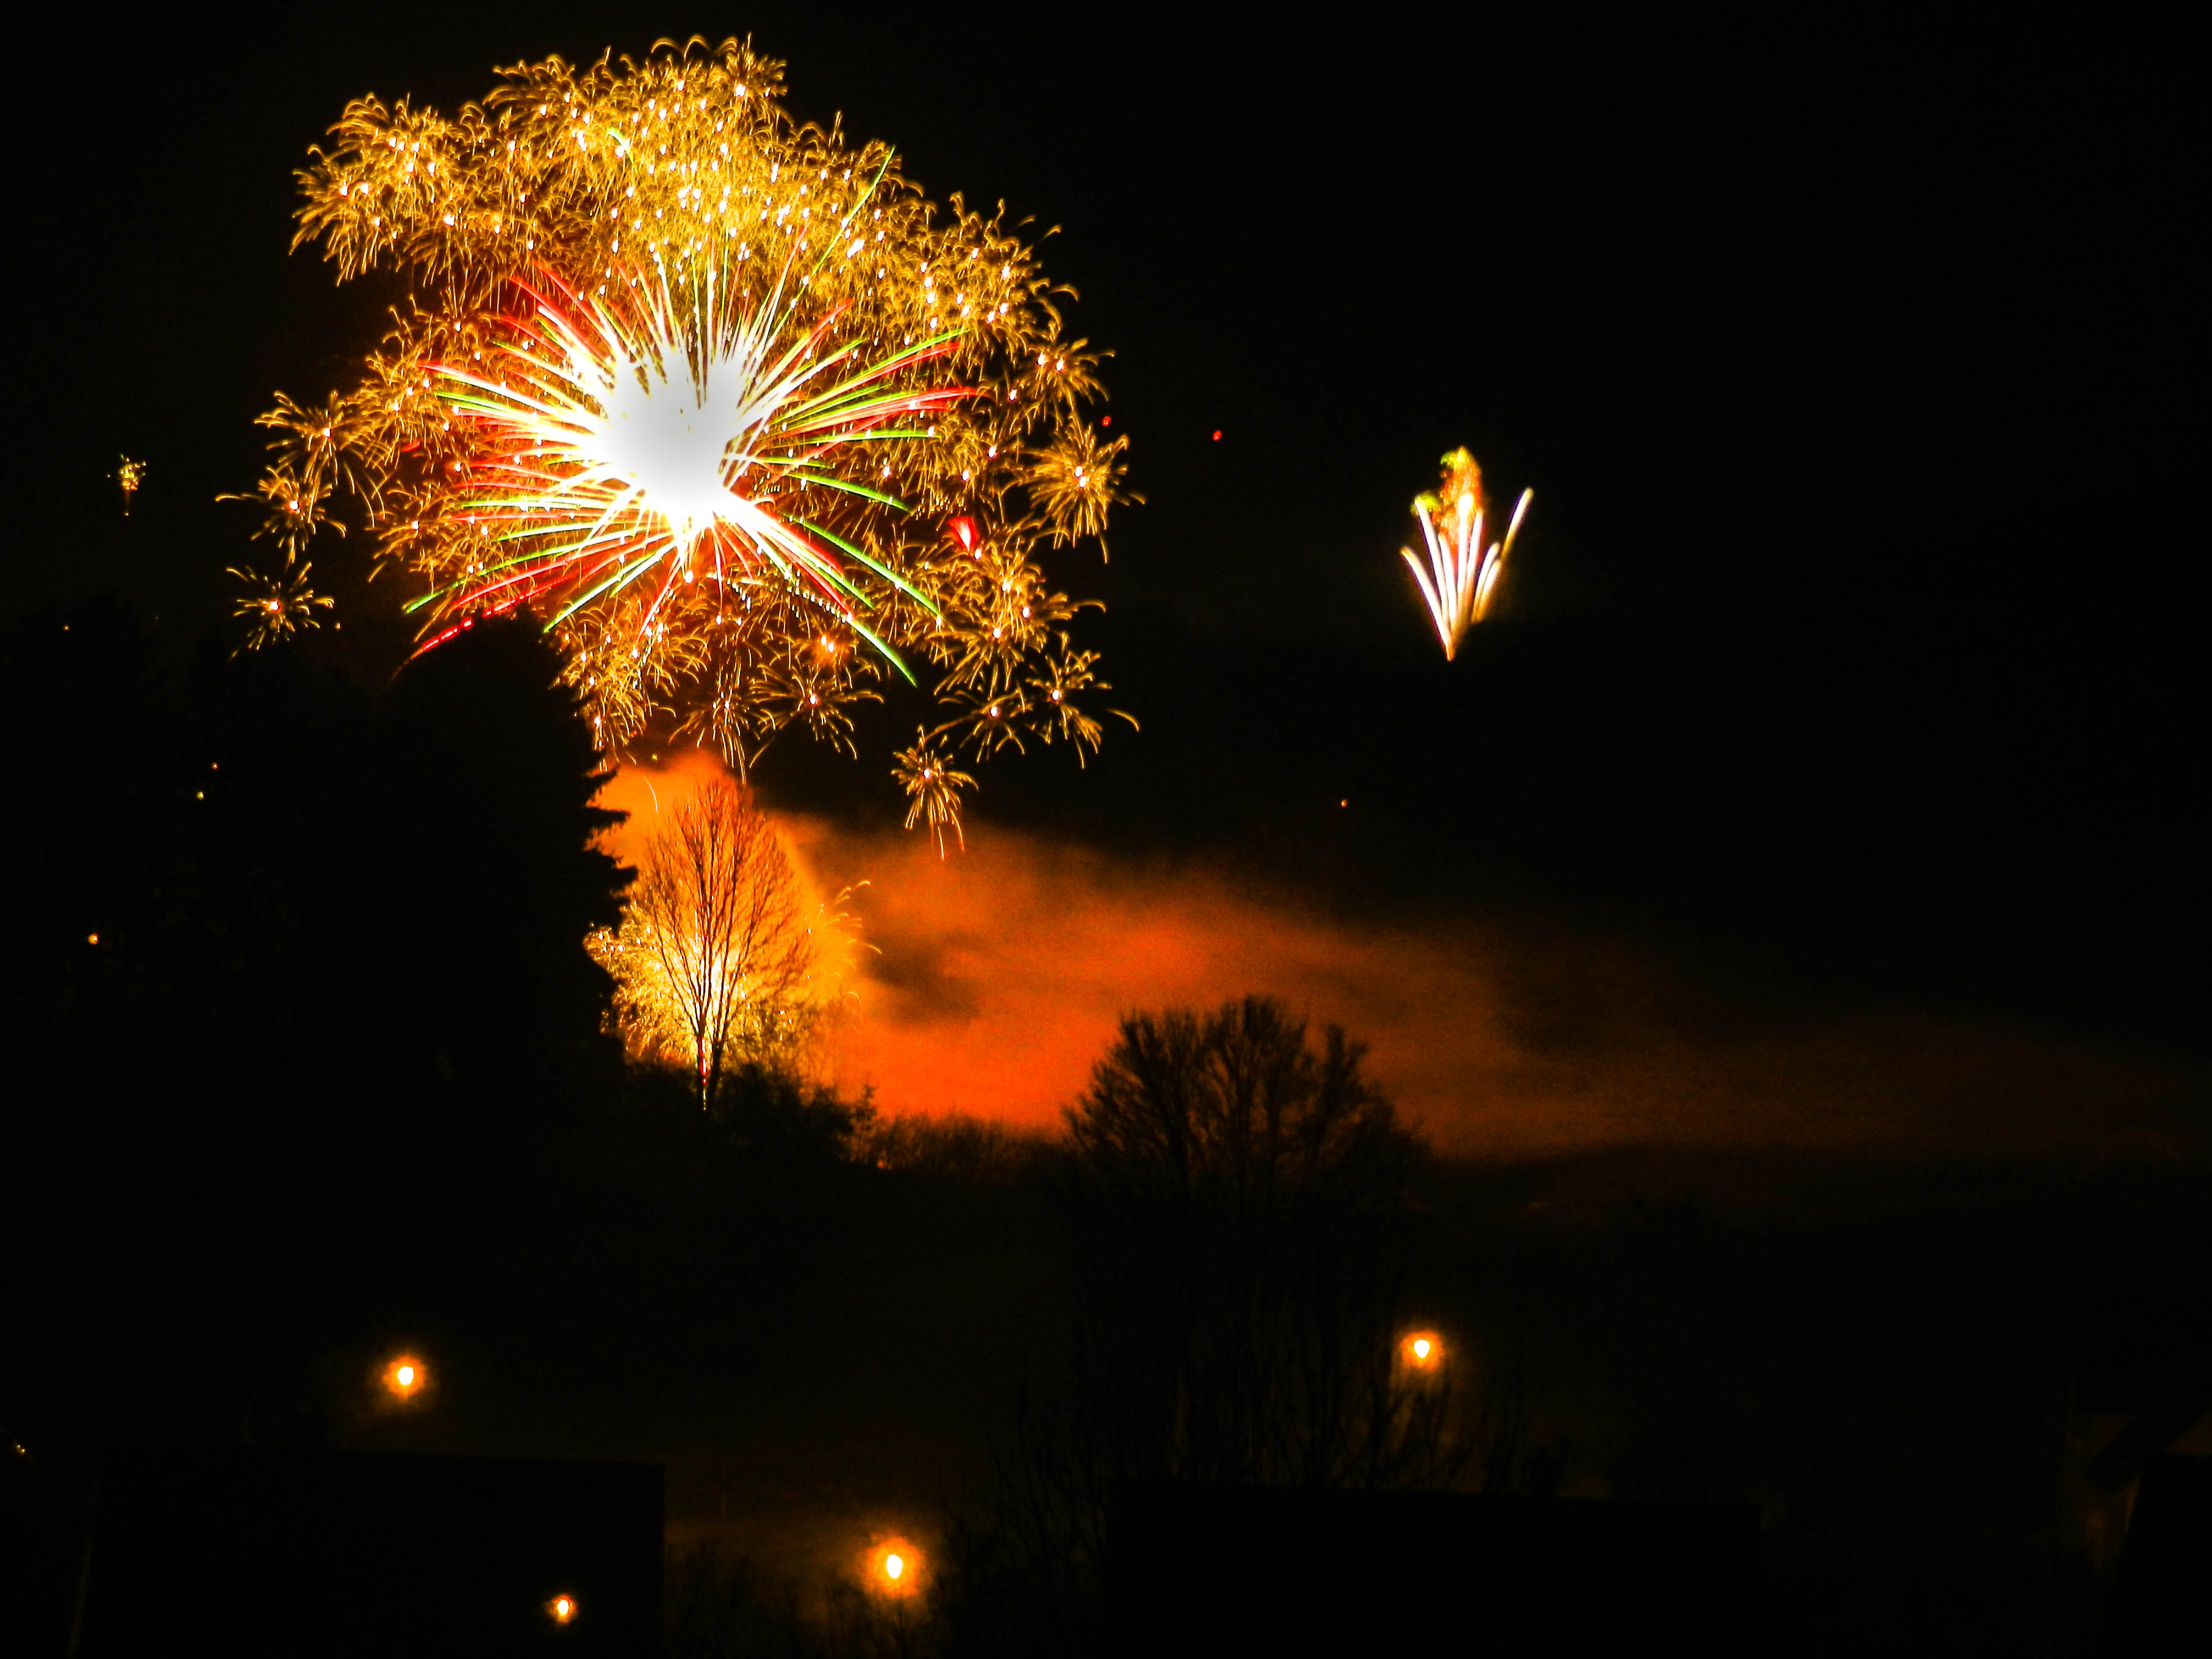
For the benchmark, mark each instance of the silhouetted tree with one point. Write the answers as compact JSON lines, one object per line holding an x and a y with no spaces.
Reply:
{"x":494,"y":770}
{"x":712,"y":955}
{"x":958,"y":1147}
{"x":1237,"y":1217}
{"x":778,"y":1118}
{"x":1240,"y":1206}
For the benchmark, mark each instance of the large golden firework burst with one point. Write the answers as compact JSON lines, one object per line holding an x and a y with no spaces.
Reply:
{"x":745,"y":418}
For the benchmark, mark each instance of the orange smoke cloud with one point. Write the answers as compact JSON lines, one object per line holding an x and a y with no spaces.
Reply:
{"x":646,"y":792}
{"x":996,"y":978}
{"x":1002,"y":974}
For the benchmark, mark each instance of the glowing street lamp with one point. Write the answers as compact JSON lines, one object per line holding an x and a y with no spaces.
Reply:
{"x":895,"y":1568}
{"x":562,"y":1608}
{"x":405,"y":1377}
{"x":1421,"y":1350}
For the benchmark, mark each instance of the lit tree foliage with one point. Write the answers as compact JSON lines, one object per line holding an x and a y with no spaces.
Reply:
{"x":722,"y":397}
{"x":713,"y":963}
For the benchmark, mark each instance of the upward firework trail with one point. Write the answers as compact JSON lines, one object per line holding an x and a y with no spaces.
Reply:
{"x":1463,"y":573}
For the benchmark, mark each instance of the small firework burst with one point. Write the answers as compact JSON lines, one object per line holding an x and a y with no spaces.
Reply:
{"x":1463,"y":573}
{"x":277,"y":606}
{"x":932,"y":790}
{"x":1076,"y":480}
{"x":129,"y":475}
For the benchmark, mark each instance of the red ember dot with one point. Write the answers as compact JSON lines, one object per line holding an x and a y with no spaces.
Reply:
{"x":1217,"y":434}
{"x":1105,"y":420}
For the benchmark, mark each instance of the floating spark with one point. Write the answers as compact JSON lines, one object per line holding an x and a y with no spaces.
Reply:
{"x":1465,"y":573}
{"x":277,"y":605}
{"x":932,"y":790}
{"x":703,"y":387}
{"x":1078,"y":480}
{"x":129,"y":475}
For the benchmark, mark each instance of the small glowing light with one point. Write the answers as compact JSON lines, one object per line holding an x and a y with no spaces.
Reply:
{"x":92,"y":938}
{"x":562,"y":1608}
{"x":1421,"y":1346}
{"x":406,"y":1377}
{"x":1422,"y":1350}
{"x":1217,"y":434}
{"x":894,"y":1568}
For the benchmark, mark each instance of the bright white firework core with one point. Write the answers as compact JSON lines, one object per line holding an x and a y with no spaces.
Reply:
{"x":627,"y":437}
{"x":665,"y":439}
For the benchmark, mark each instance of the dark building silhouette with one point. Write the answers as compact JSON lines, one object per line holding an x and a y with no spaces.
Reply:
{"x":1213,"y":1570}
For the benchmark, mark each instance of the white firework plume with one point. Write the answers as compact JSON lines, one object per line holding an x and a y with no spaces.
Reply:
{"x":1463,"y":571}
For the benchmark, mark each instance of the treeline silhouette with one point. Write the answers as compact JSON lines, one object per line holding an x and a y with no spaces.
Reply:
{"x":1234,"y":1202}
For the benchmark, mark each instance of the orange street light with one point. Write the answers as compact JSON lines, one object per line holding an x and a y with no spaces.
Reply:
{"x":406,"y":1377}
{"x":1421,"y":1350}
{"x":562,"y":1608}
{"x":895,"y":1568}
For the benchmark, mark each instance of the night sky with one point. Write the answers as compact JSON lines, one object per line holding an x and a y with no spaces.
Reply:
{"x":1787,"y":916}
{"x":1850,"y":629}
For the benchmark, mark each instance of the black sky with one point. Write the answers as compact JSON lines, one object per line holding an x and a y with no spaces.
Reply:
{"x":1849,"y":363}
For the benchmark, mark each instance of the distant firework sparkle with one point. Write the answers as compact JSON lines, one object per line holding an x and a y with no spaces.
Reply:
{"x":130,"y":475}
{"x":707,"y":390}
